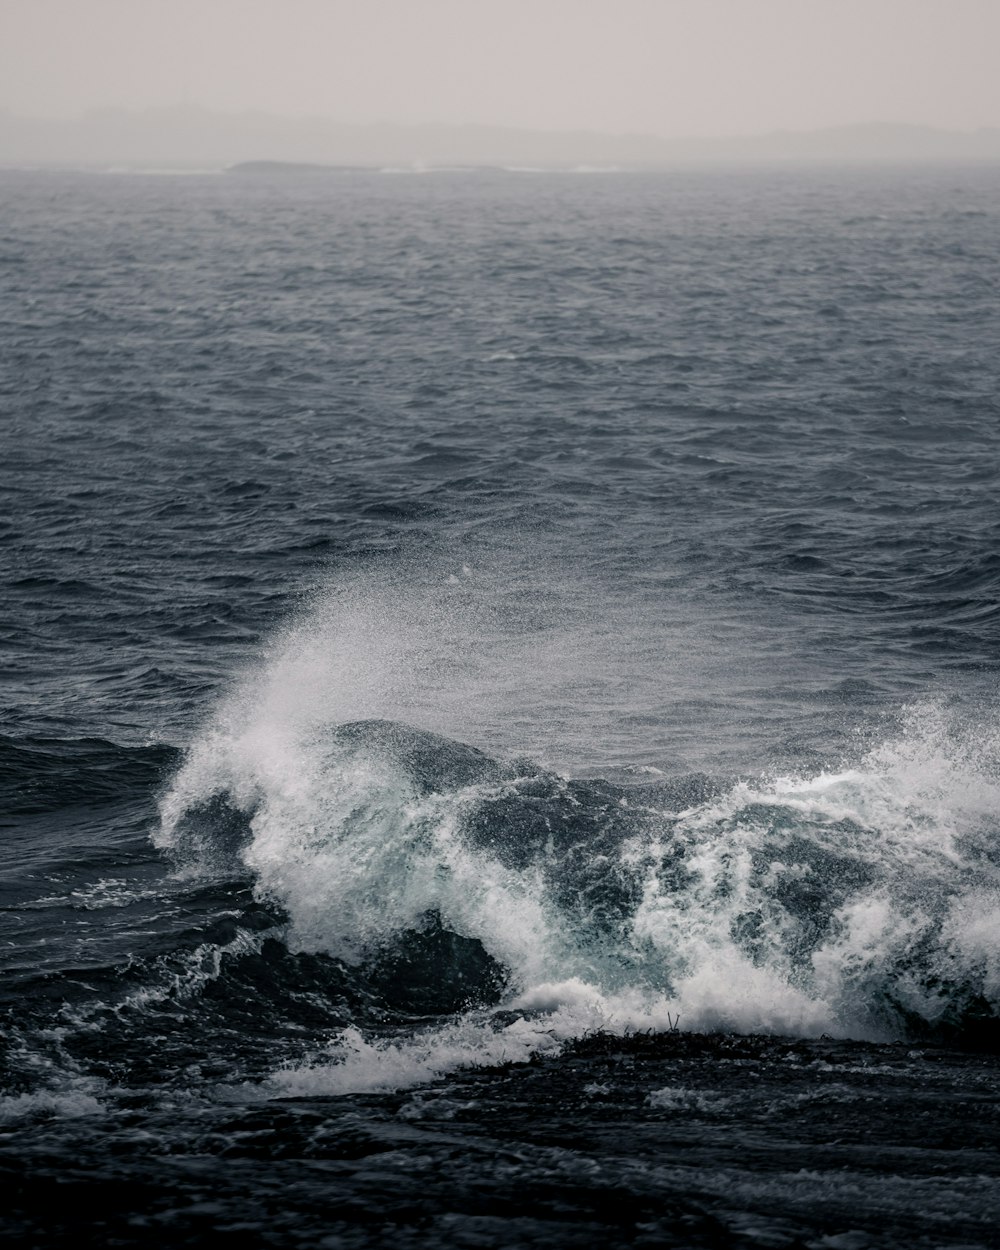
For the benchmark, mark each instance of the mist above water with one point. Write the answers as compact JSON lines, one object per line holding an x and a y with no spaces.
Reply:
{"x":563,"y":82}
{"x":501,"y":645}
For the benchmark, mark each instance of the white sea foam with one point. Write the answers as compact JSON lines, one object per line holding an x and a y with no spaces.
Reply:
{"x":74,"y":1100}
{"x":890,"y":849}
{"x":680,"y":1098}
{"x":106,"y":892}
{"x":355,"y":1064}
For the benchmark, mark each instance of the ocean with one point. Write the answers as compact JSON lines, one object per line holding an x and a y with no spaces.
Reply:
{"x":499,"y":735}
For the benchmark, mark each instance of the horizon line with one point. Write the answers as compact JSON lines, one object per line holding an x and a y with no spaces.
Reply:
{"x":180,"y":108}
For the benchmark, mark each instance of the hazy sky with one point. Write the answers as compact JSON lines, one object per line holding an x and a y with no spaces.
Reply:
{"x":669,"y":67}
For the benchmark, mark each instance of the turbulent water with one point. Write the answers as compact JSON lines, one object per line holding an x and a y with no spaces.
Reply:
{"x":499,"y":740}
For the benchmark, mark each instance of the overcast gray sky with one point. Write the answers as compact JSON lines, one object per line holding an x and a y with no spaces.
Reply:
{"x":667,"y":67}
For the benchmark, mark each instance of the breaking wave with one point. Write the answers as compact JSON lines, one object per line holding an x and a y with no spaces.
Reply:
{"x":508,"y":908}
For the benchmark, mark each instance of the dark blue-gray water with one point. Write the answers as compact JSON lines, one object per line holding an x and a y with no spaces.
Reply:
{"x":499,"y":737}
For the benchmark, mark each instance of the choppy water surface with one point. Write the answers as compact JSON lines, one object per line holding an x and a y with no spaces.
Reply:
{"x":500,"y":740}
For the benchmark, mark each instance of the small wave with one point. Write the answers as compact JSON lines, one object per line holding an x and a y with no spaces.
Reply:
{"x":46,"y":774}
{"x":356,"y":1064}
{"x":106,"y":892}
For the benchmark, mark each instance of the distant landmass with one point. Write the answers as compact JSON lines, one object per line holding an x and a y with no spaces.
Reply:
{"x":291,"y":167}
{"x":196,"y":137}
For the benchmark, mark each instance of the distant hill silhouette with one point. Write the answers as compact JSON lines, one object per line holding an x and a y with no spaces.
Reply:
{"x":200,"y":137}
